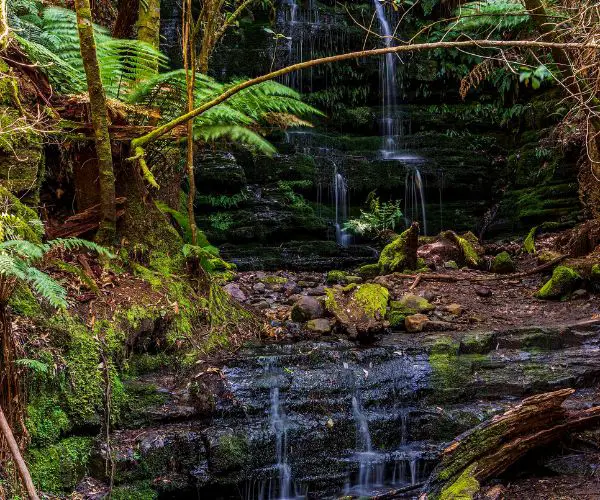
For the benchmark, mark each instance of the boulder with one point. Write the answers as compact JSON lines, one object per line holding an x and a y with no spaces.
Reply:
{"x":415,"y":322}
{"x":305,"y":309}
{"x":359,"y":309}
{"x":411,"y":304}
{"x":503,"y":264}
{"x":400,"y":254}
{"x":564,"y":280}
{"x":319,"y":325}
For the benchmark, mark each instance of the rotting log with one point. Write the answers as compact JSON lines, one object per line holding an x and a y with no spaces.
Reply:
{"x":83,"y":222}
{"x":490,"y":448}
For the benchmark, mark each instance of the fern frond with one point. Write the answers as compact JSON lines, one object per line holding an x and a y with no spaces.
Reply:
{"x":234,"y":133}
{"x":80,"y":244}
{"x":46,"y":287}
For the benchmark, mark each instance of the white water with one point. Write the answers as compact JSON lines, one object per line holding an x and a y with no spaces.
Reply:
{"x":340,"y":199}
{"x":392,"y":129}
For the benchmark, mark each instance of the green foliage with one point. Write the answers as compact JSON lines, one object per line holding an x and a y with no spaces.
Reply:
{"x":534,"y":76}
{"x":51,"y":40}
{"x":221,"y":221}
{"x":380,"y":217}
{"x":183,"y":223}
{"x":46,"y":420}
{"x":223,"y":200}
{"x":529,"y":243}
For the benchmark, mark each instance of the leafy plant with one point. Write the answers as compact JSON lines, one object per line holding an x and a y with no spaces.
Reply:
{"x":223,"y":200}
{"x":534,"y":76}
{"x":18,"y":259}
{"x":221,"y":221}
{"x":380,"y":217}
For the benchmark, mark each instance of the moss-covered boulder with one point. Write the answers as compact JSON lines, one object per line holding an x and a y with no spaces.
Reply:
{"x":359,"y":309}
{"x":503,"y":264}
{"x":529,"y":242}
{"x":335,"y":277}
{"x":595,"y":277}
{"x":564,"y":280}
{"x":401,"y":253}
{"x":468,"y":245}
{"x":368,"y":271}
{"x":411,"y":304}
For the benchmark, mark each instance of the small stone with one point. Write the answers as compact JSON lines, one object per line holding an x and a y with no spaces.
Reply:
{"x":263,"y":304}
{"x":451,"y":265}
{"x":429,"y":295}
{"x":306,"y":308}
{"x":329,"y":423}
{"x":454,"y":309}
{"x":259,"y":287}
{"x":318,"y":290}
{"x":235,"y":291}
{"x":354,"y":279}
{"x":503,"y":264}
{"x":415,"y":322}
{"x":412,"y":304}
{"x":579,"y":294}
{"x":319,"y":325}
{"x":482,"y":291}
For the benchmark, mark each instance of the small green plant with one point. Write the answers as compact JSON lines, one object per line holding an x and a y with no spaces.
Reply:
{"x":19,"y":257}
{"x":380,"y":217}
{"x":221,"y":221}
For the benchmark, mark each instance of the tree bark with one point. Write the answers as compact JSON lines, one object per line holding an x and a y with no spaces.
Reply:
{"x":127,"y":16}
{"x":148,"y":26}
{"x":490,"y":448}
{"x":107,"y":231}
{"x":189,"y":58}
{"x":3,"y":25}
{"x":17,"y":458}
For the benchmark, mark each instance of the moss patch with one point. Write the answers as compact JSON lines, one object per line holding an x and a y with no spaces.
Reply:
{"x":334,"y":277}
{"x":400,"y":254}
{"x":411,"y":304}
{"x":373,"y":300}
{"x":529,"y":242}
{"x":503,"y":264}
{"x":463,"y":488}
{"x":564,"y":280}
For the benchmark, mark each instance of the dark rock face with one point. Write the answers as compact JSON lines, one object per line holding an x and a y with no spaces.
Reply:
{"x":307,"y":409}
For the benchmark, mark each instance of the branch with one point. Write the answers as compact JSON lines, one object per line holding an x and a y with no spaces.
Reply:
{"x":420,"y":47}
{"x":236,"y":13}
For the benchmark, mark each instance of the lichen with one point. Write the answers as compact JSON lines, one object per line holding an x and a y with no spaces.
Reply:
{"x":564,"y":280}
{"x":503,"y":264}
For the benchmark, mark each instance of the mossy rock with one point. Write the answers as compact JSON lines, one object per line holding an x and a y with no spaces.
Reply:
{"x":546,"y":256}
{"x":503,"y":264}
{"x":231,"y":453}
{"x":336,"y":277}
{"x":469,"y":247}
{"x":564,"y":280}
{"x":368,"y":271}
{"x":400,"y":254}
{"x":26,"y":225}
{"x":360,"y":309}
{"x":465,"y":487}
{"x":396,"y":318}
{"x":529,"y":242}
{"x":411,"y":304}
{"x":595,"y":277}
{"x":59,"y":467}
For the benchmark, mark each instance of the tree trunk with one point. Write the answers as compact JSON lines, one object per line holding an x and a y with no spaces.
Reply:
{"x":17,"y":458}
{"x":148,"y":26}
{"x":3,"y":25}
{"x":106,"y":233}
{"x":189,"y":58}
{"x":126,"y":18}
{"x":489,"y":449}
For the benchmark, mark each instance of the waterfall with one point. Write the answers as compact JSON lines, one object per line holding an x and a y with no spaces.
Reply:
{"x":340,"y":199}
{"x":392,"y":129}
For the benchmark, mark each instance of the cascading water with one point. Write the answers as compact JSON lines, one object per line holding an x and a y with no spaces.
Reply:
{"x":340,"y":199}
{"x":392,"y":128}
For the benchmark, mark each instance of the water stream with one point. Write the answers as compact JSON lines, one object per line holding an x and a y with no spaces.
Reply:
{"x":392,"y":129}
{"x":340,"y":199}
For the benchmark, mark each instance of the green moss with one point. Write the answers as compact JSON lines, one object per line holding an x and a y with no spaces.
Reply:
{"x":24,"y":303}
{"x":411,"y":304}
{"x":451,"y":265}
{"x":334,"y":277}
{"x":137,"y":491}
{"x":396,"y":318}
{"x":46,"y":420}
{"x":373,"y":299}
{"x":467,"y":247}
{"x":400,"y":254}
{"x":368,"y":271}
{"x":503,"y":264}
{"x":564,"y":280}
{"x":59,"y":467}
{"x":29,"y":227}
{"x":529,"y":242}
{"x":463,"y":488}
{"x":231,"y":453}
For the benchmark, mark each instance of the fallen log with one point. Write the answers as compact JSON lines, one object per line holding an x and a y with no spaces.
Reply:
{"x":83,"y":222}
{"x":490,"y":448}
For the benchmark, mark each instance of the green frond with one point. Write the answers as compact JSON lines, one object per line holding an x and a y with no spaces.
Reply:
{"x":46,"y":287}
{"x":80,"y":244}
{"x":24,"y":249}
{"x":234,"y":133}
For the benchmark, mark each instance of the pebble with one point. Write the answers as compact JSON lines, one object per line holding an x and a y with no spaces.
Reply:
{"x":482,"y":291}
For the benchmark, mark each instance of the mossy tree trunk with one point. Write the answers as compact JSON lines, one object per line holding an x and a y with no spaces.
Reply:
{"x":148,"y":25}
{"x":189,"y":58}
{"x":106,"y":233}
{"x":3,"y":25}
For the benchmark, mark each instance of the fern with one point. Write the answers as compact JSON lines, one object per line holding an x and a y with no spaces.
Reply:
{"x":380,"y":217}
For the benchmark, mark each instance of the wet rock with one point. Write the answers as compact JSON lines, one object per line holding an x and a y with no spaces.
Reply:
{"x":316,"y":291}
{"x":235,"y":291}
{"x":503,"y":264}
{"x":482,"y":291}
{"x":259,"y":287}
{"x":291,"y":288}
{"x":319,"y":325}
{"x":415,"y":322}
{"x":306,"y":308}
